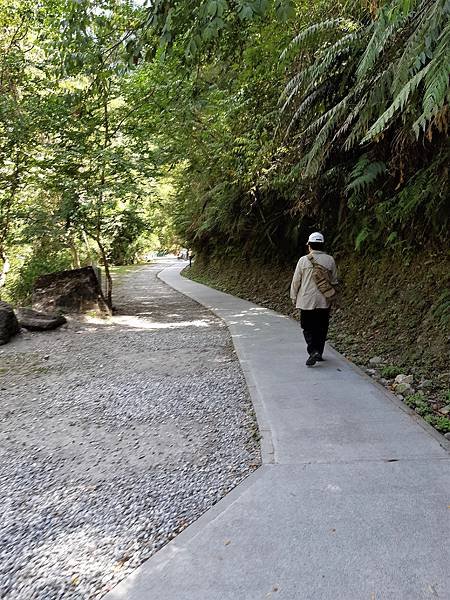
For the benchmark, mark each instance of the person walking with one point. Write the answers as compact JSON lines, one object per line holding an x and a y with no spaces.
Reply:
{"x":305,"y":294}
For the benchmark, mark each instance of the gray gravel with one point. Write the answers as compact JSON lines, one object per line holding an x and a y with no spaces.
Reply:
{"x":115,"y":435}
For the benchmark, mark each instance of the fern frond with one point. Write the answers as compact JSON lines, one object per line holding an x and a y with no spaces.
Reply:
{"x":293,"y":86}
{"x":349,"y":120}
{"x":436,"y":83}
{"x":426,"y":29}
{"x":310,"y":32}
{"x":382,"y":32}
{"x":305,"y":104}
{"x":398,"y":103}
{"x":316,"y":72}
{"x":364,"y":174}
{"x":376,"y":99}
{"x":330,"y":116}
{"x":321,"y":146}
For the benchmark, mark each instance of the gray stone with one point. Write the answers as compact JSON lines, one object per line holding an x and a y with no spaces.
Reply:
{"x":426,"y":383}
{"x":447,"y":435}
{"x":404,"y":388}
{"x":404,"y":379}
{"x":34,"y":320}
{"x":376,"y":360}
{"x":445,"y":410}
{"x":9,"y":326}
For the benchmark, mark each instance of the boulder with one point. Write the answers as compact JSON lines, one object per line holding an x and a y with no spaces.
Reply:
{"x":9,"y":326}
{"x":75,"y":291}
{"x":37,"y":321}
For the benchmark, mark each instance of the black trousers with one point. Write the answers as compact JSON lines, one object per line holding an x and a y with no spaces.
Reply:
{"x":315,"y":328}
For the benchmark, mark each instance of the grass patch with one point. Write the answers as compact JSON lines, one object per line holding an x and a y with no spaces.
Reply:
{"x":442,"y":424}
{"x":390,"y":372}
{"x":418,"y":403}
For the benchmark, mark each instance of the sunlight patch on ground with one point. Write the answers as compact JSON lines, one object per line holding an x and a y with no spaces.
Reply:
{"x":139,"y":323}
{"x":131,"y":321}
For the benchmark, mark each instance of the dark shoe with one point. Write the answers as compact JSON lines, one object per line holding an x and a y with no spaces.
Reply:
{"x":313,"y":358}
{"x":320,"y":358}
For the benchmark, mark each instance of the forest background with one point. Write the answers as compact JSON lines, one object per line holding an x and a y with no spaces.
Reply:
{"x":235,"y":128}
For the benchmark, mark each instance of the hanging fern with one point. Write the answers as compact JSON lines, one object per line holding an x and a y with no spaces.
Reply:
{"x":369,"y":106}
{"x":311,"y":32}
{"x":398,"y":104}
{"x":365,"y":173}
{"x":360,"y":93}
{"x":436,"y":83}
{"x":321,"y":145}
{"x":382,"y":32}
{"x":425,"y":29}
{"x":307,"y":102}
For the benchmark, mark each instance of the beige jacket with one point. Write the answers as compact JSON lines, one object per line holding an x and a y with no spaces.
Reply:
{"x":304,"y":292}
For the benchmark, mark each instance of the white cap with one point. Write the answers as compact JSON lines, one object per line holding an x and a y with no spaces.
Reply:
{"x":316,"y":237}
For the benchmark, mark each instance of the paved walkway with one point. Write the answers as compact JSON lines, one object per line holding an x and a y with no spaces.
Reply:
{"x":352,"y":501}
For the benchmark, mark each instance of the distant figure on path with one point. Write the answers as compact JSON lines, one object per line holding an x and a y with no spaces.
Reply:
{"x":314,"y":270}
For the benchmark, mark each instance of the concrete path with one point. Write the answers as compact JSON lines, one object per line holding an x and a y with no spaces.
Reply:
{"x":353,"y":499}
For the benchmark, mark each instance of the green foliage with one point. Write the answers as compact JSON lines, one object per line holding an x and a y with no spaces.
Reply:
{"x":72,"y":168}
{"x":390,"y":372}
{"x":419,"y":404}
{"x":364,"y":173}
{"x":441,"y":309}
{"x":442,"y":424}
{"x":423,"y":408}
{"x":42,"y":258}
{"x":128,"y":127}
{"x":362,"y":237}
{"x":199,"y":25}
{"x":373,"y":85}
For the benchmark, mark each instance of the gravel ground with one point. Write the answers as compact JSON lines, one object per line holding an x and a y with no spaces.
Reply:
{"x":115,"y":435}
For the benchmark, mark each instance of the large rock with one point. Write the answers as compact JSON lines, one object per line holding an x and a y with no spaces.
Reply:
{"x":76,"y":291}
{"x":9,"y":325}
{"x":38,"y":321}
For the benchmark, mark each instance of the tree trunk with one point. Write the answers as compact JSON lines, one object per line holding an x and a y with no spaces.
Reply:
{"x":76,"y":264}
{"x":5,"y":268}
{"x":108,"y":278}
{"x":88,"y":248}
